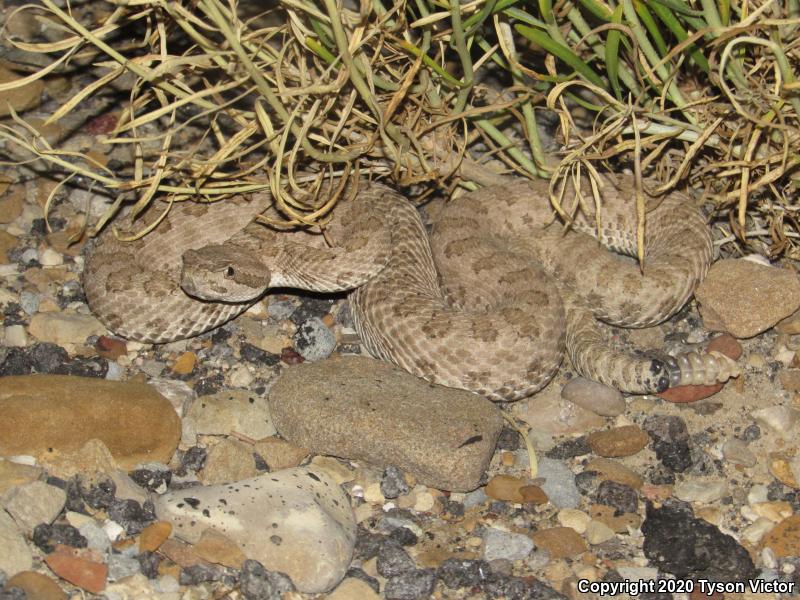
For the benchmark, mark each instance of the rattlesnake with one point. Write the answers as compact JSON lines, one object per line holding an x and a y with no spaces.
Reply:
{"x":488,"y":304}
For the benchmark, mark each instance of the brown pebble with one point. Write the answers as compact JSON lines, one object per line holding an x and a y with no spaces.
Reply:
{"x":618,"y":523}
{"x":612,"y":470}
{"x":620,"y":441}
{"x":790,"y":379}
{"x":780,"y":465}
{"x":506,"y":488}
{"x":185,"y":363}
{"x":533,"y":494}
{"x":784,"y":538}
{"x":507,"y":459}
{"x":690,"y":393}
{"x":727,"y":345}
{"x":72,"y":566}
{"x":154,"y":535}
{"x":280,"y":454}
{"x":217,"y":548}
{"x":180,"y":553}
{"x":102,"y":124}
{"x":36,"y":586}
{"x":110,"y":348}
{"x":560,"y":542}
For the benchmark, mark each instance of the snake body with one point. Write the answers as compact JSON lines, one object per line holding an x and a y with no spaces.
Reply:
{"x":489,"y":302}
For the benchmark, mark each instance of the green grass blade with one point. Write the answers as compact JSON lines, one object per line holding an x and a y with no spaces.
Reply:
{"x":674,"y":25}
{"x":560,"y":51}
{"x":652,"y":28}
{"x":612,"y":53}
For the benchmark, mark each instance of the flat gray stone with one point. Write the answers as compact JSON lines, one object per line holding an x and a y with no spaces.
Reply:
{"x":15,"y":555}
{"x":499,"y":544}
{"x":594,"y":396}
{"x":364,"y":409}
{"x":296,"y":521}
{"x":34,"y":503}
{"x":230,"y":411}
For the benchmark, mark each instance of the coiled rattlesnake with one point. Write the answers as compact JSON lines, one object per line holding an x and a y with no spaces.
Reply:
{"x":488,"y":304}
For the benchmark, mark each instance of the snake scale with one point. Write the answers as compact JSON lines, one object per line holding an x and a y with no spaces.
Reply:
{"x":489,"y":302}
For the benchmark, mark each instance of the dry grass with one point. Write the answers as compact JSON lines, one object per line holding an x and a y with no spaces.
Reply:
{"x":696,"y":94}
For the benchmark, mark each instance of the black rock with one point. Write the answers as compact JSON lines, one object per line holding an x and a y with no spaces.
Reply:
{"x":670,"y":441}
{"x":458,"y":573}
{"x":570,"y":449}
{"x":200,"y":573}
{"x":148,"y":563}
{"x":678,"y":543}
{"x":508,"y":439}
{"x":193,"y":459}
{"x":359,"y":574}
{"x":47,"y":536}
{"x":257,"y":356}
{"x":256,"y":583}
{"x":661,"y":475}
{"x":209,"y":385}
{"x":393,"y":483}
{"x":46,"y":357}
{"x":621,"y":497}
{"x":393,"y":560}
{"x":97,"y":491}
{"x":151,"y":479}
{"x":510,"y":587}
{"x":586,"y":482}
{"x":411,"y":585}
{"x":83,"y":367}
{"x":453,"y":508}
{"x":131,"y":515}
{"x":751,"y":433}
{"x":403,"y":536}
{"x":311,"y":307}
{"x":368,"y":544}
{"x":13,"y":361}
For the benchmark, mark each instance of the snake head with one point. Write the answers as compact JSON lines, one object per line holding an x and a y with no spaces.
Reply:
{"x":224,"y":273}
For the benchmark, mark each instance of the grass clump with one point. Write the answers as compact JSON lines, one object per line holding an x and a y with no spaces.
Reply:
{"x":437,"y":93}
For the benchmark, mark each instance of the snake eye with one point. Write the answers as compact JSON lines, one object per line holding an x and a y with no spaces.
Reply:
{"x":229,"y":272}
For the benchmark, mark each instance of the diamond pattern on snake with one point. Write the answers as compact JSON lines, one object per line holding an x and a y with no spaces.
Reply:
{"x":490,"y":302}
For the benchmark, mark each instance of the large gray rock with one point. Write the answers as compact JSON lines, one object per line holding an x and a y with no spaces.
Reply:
{"x":360,"y":408}
{"x":15,"y":555}
{"x":296,"y":521}
{"x":746,"y":298}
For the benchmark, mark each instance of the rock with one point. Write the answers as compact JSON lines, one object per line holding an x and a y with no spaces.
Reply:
{"x":297,"y":521}
{"x":12,"y":474}
{"x":34,"y":503}
{"x":547,"y":411}
{"x":727,"y":345}
{"x":560,"y":542}
{"x":92,"y":457}
{"x":154,"y":535}
{"x":608,"y":515}
{"x":74,"y":566}
{"x":36,"y":586}
{"x":364,"y":409}
{"x":231,"y":411}
{"x":785,"y":468}
{"x":574,"y":519}
{"x":676,"y":542}
{"x":737,"y":452}
{"x":499,"y":544}
{"x":257,"y":583}
{"x":219,"y":549}
{"x":683,"y":394}
{"x":670,"y":441}
{"x":64,"y":328}
{"x":21,"y":98}
{"x":15,"y":555}
{"x":622,"y":498}
{"x":314,"y":341}
{"x":44,"y":412}
{"x":353,"y":589}
{"x":784,"y":538}
{"x":597,"y":532}
{"x":620,"y":441}
{"x":413,"y":585}
{"x":393,"y":560}
{"x":121,"y":567}
{"x":701,"y":489}
{"x":280,"y":454}
{"x":612,"y":470}
{"x":594,"y":396}
{"x":764,"y":295}
{"x":559,"y":483}
{"x":779,"y":418}
{"x":506,"y":488}
{"x":185,"y":363}
{"x":227,"y":461}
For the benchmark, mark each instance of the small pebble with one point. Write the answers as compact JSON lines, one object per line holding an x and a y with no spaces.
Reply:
{"x":597,"y":533}
{"x":393,"y":483}
{"x":314,"y":341}
{"x":574,"y":519}
{"x":499,"y":544}
{"x":737,"y":452}
{"x":594,"y":396}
